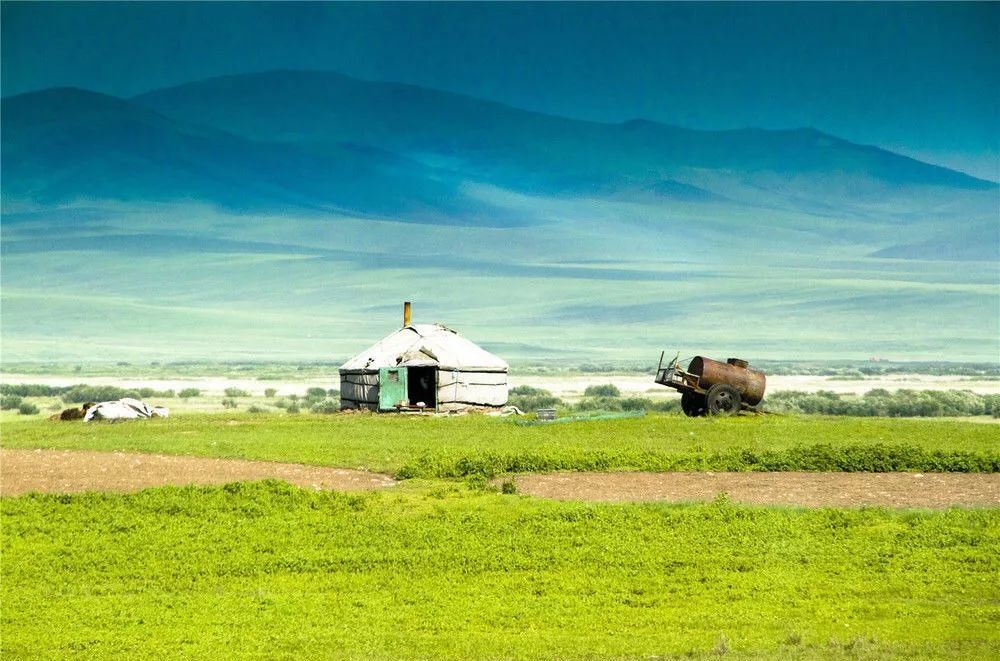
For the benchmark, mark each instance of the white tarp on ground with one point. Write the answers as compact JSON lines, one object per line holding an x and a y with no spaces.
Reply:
{"x":467,"y":373}
{"x":124,"y":409}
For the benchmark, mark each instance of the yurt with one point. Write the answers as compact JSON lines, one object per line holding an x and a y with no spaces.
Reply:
{"x":423,"y":367}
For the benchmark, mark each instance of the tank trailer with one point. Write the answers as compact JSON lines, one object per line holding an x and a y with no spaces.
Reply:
{"x":710,"y":387}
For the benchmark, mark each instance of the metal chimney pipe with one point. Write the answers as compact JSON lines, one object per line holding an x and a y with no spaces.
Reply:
{"x":406,"y":314}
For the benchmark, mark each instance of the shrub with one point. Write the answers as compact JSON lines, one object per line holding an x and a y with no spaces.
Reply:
{"x":599,"y":404}
{"x":881,"y":402}
{"x":9,"y":402}
{"x":991,"y":405}
{"x":606,"y":390}
{"x":672,"y":405}
{"x":527,"y":398}
{"x":508,"y":486}
{"x":31,"y":390}
{"x":83,"y":393}
{"x":189,"y":392}
{"x":326,"y":406}
{"x":636,"y":404}
{"x":333,"y":392}
{"x":292,"y":408}
{"x":256,"y":409}
{"x":146,"y":393}
{"x":236,"y":392}
{"x":646,"y":404}
{"x":270,"y":392}
{"x":316,"y":393}
{"x":229,"y":403}
{"x":27,"y":408}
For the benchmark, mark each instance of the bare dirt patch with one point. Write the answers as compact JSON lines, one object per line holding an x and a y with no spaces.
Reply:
{"x":936,"y":490}
{"x":64,"y":471}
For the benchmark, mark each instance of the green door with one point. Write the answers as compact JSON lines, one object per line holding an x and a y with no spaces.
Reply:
{"x":391,"y":387}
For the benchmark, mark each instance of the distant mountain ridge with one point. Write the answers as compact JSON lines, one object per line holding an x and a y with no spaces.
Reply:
{"x":65,"y":144}
{"x":323,"y":142}
{"x":322,"y":108}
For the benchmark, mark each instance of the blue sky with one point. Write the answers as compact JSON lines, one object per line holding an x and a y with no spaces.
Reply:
{"x":922,"y":79}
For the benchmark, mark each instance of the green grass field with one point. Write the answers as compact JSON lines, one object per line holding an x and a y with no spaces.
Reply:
{"x":479,"y":445}
{"x":437,"y":567}
{"x":429,"y":571}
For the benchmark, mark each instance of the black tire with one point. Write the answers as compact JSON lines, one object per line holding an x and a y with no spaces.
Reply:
{"x":722,"y":400}
{"x":692,"y":404}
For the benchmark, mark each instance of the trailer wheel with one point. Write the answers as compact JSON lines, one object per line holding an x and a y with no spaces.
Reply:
{"x":722,"y":400}
{"x":692,"y":404}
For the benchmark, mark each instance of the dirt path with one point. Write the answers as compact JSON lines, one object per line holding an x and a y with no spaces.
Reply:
{"x":936,"y":490}
{"x":64,"y":471}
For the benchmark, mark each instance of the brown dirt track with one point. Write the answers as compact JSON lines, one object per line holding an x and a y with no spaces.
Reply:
{"x":936,"y":490}
{"x":62,"y":471}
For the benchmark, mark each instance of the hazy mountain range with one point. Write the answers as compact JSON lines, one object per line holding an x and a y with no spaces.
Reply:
{"x":324,"y":141}
{"x":280,"y":162}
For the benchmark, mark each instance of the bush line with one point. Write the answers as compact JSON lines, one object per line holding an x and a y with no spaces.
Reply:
{"x":882,"y":403}
{"x":875,"y":403}
{"x":80,"y":393}
{"x":874,"y":458}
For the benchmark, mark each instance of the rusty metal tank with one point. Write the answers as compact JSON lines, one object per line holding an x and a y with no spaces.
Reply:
{"x":734,"y":372}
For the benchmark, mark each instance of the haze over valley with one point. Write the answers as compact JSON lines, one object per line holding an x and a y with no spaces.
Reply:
{"x":286,"y":213}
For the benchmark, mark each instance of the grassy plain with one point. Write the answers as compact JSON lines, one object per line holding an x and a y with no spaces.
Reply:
{"x":426,"y":570}
{"x":411,"y":446}
{"x":436,"y":568}
{"x":574,"y":289}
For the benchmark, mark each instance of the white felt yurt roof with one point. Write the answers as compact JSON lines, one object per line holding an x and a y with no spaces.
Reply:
{"x":425,"y":344}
